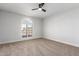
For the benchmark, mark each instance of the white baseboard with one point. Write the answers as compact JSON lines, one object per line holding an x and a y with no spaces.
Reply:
{"x":5,"y":42}
{"x":62,"y":41}
{"x":54,"y":39}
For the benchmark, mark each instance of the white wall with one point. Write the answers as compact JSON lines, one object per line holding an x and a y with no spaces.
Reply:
{"x":10,"y":27}
{"x":63,"y":27}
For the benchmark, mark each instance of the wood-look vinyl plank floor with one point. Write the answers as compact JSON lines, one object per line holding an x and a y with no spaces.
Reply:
{"x":38,"y":47}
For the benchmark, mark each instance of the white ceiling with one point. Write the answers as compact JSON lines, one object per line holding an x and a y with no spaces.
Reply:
{"x":26,"y":8}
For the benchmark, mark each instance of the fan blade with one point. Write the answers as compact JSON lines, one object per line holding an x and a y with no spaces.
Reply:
{"x":44,"y":10}
{"x":41,"y":5}
{"x":35,"y":9}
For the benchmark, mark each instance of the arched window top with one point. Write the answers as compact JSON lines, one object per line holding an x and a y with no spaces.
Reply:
{"x":27,"y":21}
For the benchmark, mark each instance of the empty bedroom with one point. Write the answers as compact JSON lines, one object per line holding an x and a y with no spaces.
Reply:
{"x":39,"y":29}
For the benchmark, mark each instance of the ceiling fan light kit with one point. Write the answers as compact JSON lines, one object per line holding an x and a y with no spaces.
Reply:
{"x":40,"y":9}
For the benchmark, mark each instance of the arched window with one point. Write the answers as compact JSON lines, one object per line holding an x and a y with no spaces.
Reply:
{"x":26,"y":28}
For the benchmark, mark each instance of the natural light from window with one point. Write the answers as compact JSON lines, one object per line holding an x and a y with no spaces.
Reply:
{"x":26,"y":28}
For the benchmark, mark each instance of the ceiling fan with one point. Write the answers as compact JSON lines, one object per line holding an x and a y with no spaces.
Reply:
{"x":40,"y":7}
